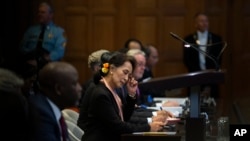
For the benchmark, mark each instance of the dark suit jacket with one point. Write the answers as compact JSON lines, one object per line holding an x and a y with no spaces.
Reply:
{"x":147,"y":74}
{"x":191,"y":56}
{"x":100,"y":120}
{"x":48,"y":129}
{"x":138,"y":115}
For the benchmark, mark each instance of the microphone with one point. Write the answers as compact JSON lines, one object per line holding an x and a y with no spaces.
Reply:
{"x":217,"y":67}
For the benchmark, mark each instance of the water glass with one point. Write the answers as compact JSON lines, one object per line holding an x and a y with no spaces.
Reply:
{"x":223,"y":129}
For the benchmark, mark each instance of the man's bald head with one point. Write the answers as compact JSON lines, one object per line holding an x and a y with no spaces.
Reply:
{"x":55,"y":72}
{"x":59,"y":82}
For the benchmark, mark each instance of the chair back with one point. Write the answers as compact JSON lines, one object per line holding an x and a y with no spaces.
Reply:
{"x":75,"y":132}
{"x":70,"y":115}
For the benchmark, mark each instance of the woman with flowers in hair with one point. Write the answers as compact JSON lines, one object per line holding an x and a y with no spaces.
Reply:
{"x":104,"y":116}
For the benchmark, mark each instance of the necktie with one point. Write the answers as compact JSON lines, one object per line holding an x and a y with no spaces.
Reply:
{"x":39,"y":47}
{"x":63,"y":129}
{"x":40,"y":51}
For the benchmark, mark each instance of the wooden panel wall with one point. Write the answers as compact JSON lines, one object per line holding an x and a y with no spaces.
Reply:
{"x":107,"y":24}
{"x":240,"y":69}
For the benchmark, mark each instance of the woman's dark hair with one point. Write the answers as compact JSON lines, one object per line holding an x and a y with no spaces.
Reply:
{"x":117,"y":59}
{"x":105,"y":57}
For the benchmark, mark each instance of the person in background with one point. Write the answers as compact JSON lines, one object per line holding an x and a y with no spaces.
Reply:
{"x":59,"y":89}
{"x":16,"y":115}
{"x":141,"y":112}
{"x":196,"y":61}
{"x":140,"y":58}
{"x":28,"y":71}
{"x":95,"y":60}
{"x":109,"y":123}
{"x":45,"y":40}
{"x":152,"y":58}
{"x":132,"y":43}
{"x":94,"y":63}
{"x":151,"y":53}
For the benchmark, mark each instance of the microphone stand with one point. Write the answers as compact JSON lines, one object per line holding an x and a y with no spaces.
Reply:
{"x":217,"y":66}
{"x":197,"y":133}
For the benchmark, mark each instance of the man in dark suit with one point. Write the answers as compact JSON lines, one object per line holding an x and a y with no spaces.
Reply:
{"x":204,"y":40}
{"x":59,"y":89}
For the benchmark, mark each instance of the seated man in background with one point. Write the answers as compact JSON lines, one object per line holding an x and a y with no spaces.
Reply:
{"x":152,"y":58}
{"x":59,"y":89}
{"x":141,"y":112}
{"x":132,"y":43}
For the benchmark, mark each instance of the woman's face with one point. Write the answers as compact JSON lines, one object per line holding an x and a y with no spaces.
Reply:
{"x":121,"y":74}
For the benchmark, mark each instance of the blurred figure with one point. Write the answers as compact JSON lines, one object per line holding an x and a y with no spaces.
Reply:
{"x":45,"y":40}
{"x":15,"y":112}
{"x":59,"y":89}
{"x":28,"y":71}
{"x":145,"y":95}
{"x":132,"y":43}
{"x":141,"y":112}
{"x":152,"y":58}
{"x":196,"y":61}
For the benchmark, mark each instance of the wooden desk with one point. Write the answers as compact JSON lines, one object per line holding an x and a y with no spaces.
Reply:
{"x":192,"y":80}
{"x":150,"y":137}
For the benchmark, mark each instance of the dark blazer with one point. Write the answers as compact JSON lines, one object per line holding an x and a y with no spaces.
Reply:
{"x":100,"y":120}
{"x":136,"y":115}
{"x":191,"y":56}
{"x":147,"y":74}
{"x":140,"y":115}
{"x":48,"y":129}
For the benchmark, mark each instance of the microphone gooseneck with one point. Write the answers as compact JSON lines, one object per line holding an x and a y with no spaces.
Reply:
{"x":217,"y":67}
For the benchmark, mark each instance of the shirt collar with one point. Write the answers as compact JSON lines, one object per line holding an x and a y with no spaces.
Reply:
{"x":55,"y":109}
{"x":202,"y":34}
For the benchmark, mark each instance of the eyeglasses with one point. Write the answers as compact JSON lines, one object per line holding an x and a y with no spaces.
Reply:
{"x":140,"y":64}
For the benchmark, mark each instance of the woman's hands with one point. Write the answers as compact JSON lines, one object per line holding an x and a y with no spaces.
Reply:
{"x":132,"y":86}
